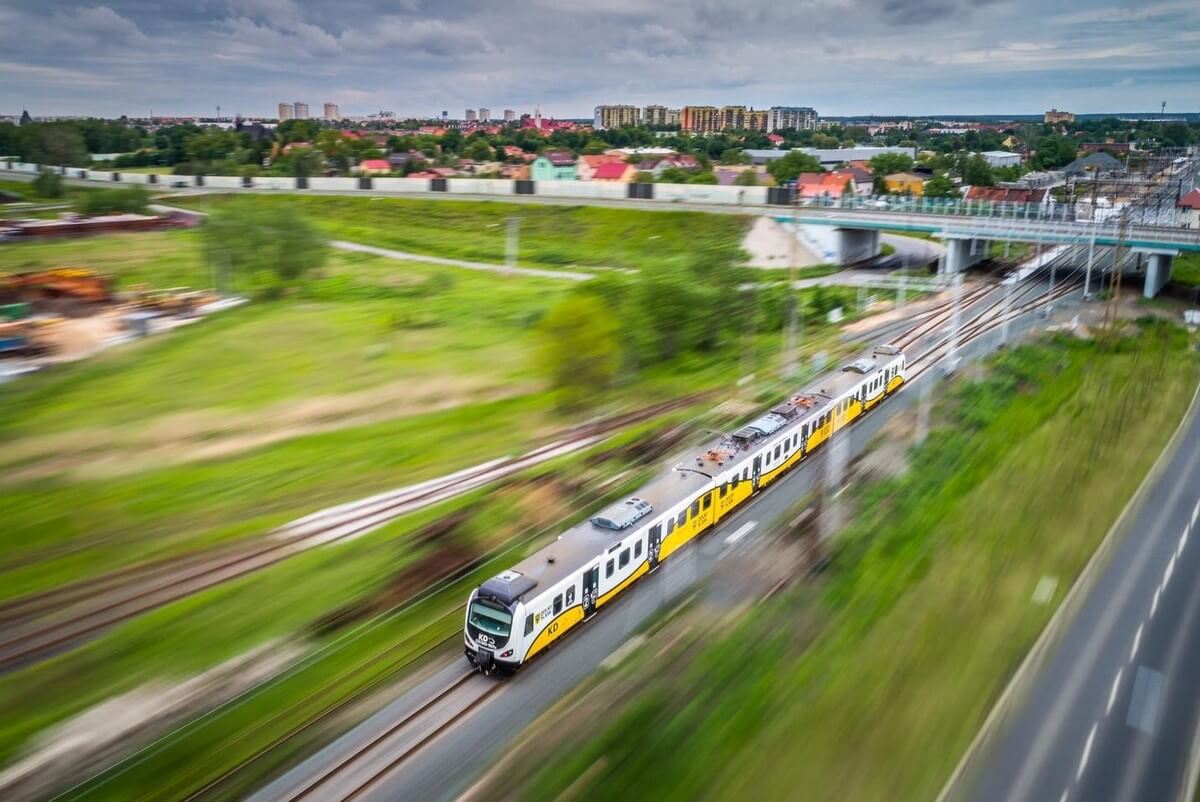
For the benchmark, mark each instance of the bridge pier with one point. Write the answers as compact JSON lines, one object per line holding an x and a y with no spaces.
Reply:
{"x":1158,"y":272}
{"x":962,"y":252}
{"x":856,"y":244}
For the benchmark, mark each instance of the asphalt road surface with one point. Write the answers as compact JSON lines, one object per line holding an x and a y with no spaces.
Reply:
{"x":1113,"y":715}
{"x":446,"y":766}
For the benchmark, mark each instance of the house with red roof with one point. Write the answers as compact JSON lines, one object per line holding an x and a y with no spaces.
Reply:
{"x":589,"y":164}
{"x":1189,"y":209}
{"x":1022,"y":197}
{"x":617,"y":172}
{"x":373,"y":167}
{"x":775,"y":139}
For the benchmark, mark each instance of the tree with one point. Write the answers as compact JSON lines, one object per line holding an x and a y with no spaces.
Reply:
{"x":746,"y":178}
{"x":703,"y":178}
{"x":643,"y":177}
{"x":133,"y":200}
{"x":977,"y":172}
{"x":940,"y":186}
{"x":674,"y":175}
{"x":270,"y":249}
{"x":887,"y":163}
{"x":579,"y":348}
{"x":792,"y":165}
{"x":480,"y":151}
{"x":734,"y":156}
{"x":48,"y":184}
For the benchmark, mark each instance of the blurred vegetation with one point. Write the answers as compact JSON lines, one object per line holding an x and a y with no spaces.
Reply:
{"x":270,"y":250}
{"x":924,"y":612}
{"x":132,"y":200}
{"x":48,"y":184}
{"x":1186,"y":269}
{"x":551,"y":235}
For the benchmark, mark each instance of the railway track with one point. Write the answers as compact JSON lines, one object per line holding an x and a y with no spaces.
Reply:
{"x":38,"y":626}
{"x":361,"y":770}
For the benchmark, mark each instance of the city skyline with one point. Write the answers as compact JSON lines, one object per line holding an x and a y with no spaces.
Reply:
{"x":1086,"y":55}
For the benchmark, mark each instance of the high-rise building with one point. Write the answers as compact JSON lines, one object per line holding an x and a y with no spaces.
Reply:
{"x":509,"y":115}
{"x":285,"y":111}
{"x":469,"y":115}
{"x":700,"y":119}
{"x":300,"y":110}
{"x":332,"y":112}
{"x":484,"y":114}
{"x":798,"y":117}
{"x":616,"y":116}
{"x":445,"y":115}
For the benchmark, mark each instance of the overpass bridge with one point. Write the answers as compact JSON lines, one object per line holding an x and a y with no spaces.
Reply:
{"x":966,"y":235}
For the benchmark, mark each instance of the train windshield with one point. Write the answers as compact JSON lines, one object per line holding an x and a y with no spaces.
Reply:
{"x":491,"y":618}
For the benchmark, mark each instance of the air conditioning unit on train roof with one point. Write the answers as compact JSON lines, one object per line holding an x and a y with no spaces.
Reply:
{"x":623,"y":514}
{"x":860,"y":366}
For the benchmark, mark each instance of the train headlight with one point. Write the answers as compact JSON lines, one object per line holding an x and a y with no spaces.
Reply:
{"x":507,"y":653}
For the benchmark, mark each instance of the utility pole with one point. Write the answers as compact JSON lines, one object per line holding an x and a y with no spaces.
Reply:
{"x":952,"y":352}
{"x":789,"y":340}
{"x":1087,"y":277}
{"x":1114,"y":286}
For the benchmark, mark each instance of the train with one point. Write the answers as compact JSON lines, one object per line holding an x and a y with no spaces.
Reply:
{"x":517,"y":615}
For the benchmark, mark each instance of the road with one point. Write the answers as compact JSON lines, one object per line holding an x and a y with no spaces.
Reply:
{"x":447,"y":764}
{"x":1114,"y":712}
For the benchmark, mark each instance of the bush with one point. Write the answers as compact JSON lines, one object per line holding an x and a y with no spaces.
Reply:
{"x":133,"y":200}
{"x":48,"y":184}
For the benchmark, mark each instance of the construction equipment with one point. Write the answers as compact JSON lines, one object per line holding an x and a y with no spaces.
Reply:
{"x":62,"y":289}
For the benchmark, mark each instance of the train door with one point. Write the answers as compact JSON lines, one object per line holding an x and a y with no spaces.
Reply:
{"x":653,"y":541}
{"x":756,"y":472}
{"x":591,"y":589}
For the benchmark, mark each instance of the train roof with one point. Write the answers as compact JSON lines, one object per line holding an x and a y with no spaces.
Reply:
{"x":688,"y":474}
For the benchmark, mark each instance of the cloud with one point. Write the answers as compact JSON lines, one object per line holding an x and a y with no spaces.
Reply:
{"x":419,"y":56}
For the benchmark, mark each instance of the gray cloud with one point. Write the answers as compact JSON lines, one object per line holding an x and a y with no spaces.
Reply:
{"x":419,"y":56}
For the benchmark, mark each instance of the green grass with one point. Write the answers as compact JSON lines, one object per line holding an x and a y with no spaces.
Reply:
{"x":925,"y":611}
{"x":161,"y":258}
{"x":1016,"y":250}
{"x":550,"y":235}
{"x":1186,"y":269}
{"x":25,"y":190}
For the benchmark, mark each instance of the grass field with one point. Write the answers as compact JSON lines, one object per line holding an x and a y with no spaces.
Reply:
{"x":1186,"y":270}
{"x":922,"y":616}
{"x":550,"y":235}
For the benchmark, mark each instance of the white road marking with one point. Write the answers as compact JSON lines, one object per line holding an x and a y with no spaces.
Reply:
{"x":1112,"y":695}
{"x":741,"y":532}
{"x":1154,"y":602}
{"x":1087,"y":752}
{"x":1137,"y":641}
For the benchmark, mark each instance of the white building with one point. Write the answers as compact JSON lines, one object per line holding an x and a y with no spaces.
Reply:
{"x":300,"y":110}
{"x":798,"y":117}
{"x":285,"y":111}
{"x":485,"y":115}
{"x":1001,"y":158}
{"x":332,"y":112}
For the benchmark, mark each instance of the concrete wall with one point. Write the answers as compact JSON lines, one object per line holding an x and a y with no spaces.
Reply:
{"x":856,"y":245}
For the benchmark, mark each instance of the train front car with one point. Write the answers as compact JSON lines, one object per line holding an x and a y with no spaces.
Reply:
{"x":491,"y":640}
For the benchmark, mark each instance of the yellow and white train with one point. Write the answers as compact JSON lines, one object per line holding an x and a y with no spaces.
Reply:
{"x":515,"y":616}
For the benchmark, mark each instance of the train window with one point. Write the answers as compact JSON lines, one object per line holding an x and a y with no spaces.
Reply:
{"x":724,"y":489}
{"x":737,"y":479}
{"x":608,"y":568}
{"x":670,"y":525}
{"x":708,"y":497}
{"x":682,"y":519}
{"x":528,"y":624}
{"x":695,"y":508}
{"x":570,"y":595}
{"x":777,"y":450}
{"x":637,"y":549}
{"x":746,"y":473}
{"x":558,"y":604}
{"x":624,"y":561}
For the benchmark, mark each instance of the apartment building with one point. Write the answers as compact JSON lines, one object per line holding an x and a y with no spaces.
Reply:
{"x":797,"y":117}
{"x":616,"y":116}
{"x":332,"y":112}
{"x":285,"y":111}
{"x":300,"y":110}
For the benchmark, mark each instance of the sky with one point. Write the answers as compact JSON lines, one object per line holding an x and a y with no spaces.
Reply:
{"x":417,"y":57}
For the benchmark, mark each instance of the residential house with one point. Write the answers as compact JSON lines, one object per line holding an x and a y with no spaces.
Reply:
{"x":514,"y":152}
{"x":904,"y":184}
{"x":862,"y":180}
{"x":1009,"y":195}
{"x":515,"y":172}
{"x":589,"y":164}
{"x":775,"y":139}
{"x":1189,"y":209}
{"x":656,"y":165}
{"x":555,"y":165}
{"x":374,"y":167}
{"x":618,"y":172}
{"x":1001,"y":158}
